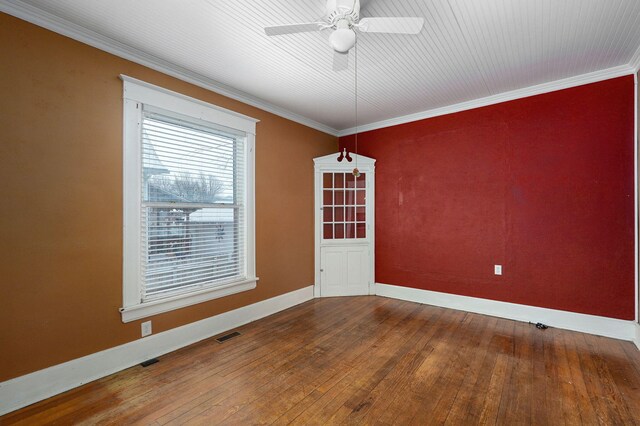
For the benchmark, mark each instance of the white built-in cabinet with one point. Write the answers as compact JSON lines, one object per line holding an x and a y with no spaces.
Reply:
{"x":344,"y":226}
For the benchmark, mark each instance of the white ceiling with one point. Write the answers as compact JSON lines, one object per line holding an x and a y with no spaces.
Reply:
{"x":468,"y":49}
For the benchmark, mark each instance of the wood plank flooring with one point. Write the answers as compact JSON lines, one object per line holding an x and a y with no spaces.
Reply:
{"x":369,"y":360}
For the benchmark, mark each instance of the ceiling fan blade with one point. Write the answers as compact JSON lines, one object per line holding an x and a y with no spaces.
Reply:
{"x":292,"y":28}
{"x":391,"y":25}
{"x":340,"y":61}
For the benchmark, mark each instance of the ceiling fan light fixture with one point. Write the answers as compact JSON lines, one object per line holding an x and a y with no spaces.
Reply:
{"x":343,"y":16}
{"x":342,"y":39}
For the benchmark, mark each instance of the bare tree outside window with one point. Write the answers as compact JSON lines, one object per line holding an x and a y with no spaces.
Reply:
{"x":186,"y":187}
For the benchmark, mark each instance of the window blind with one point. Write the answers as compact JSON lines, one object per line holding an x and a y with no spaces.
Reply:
{"x":193,"y":215}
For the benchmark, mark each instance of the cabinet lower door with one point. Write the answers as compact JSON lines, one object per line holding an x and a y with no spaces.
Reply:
{"x":344,"y":270}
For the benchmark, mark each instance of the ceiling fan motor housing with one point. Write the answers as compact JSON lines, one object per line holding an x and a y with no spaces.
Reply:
{"x":343,"y":9}
{"x":343,"y":17}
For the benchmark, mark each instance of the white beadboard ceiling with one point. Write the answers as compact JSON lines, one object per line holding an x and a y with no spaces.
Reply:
{"x":468,"y":49}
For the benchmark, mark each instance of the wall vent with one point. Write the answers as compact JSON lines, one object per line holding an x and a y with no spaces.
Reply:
{"x":149,"y":362}
{"x":226,"y":337}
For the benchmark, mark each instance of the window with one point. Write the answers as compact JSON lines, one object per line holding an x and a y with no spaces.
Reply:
{"x":188,"y":201}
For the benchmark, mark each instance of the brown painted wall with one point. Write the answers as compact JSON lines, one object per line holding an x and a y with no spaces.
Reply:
{"x":61,"y":192}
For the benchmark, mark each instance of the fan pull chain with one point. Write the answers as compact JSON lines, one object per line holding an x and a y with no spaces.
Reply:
{"x":356,"y":172}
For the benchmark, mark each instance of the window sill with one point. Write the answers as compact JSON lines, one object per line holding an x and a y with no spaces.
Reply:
{"x":143,"y":310}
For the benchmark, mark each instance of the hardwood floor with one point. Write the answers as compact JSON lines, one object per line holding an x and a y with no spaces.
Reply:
{"x":369,"y":360}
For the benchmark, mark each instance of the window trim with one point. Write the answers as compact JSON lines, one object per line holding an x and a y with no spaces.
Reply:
{"x":135,"y":94}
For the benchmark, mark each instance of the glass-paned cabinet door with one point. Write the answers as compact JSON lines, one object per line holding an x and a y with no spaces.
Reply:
{"x":344,"y":211}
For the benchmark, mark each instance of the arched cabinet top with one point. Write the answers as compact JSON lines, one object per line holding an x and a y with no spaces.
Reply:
{"x":330,"y":162}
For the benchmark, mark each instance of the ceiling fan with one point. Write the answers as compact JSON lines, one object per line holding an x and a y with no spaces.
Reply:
{"x":343,"y":16}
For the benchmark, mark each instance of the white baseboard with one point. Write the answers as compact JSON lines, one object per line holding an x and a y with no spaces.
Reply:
{"x":591,"y":324}
{"x":25,"y":390}
{"x":636,"y":340}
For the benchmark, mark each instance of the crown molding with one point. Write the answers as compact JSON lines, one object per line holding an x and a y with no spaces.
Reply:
{"x":51,"y":22}
{"x":539,"y":89}
{"x":56,"y":24}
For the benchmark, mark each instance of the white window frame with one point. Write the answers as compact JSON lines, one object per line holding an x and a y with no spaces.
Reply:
{"x":137,"y":93}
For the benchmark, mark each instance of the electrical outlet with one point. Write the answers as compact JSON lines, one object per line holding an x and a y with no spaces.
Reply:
{"x":146,"y":328}
{"x":497,"y":269}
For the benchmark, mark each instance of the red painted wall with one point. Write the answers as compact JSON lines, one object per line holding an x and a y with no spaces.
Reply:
{"x":541,"y":185}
